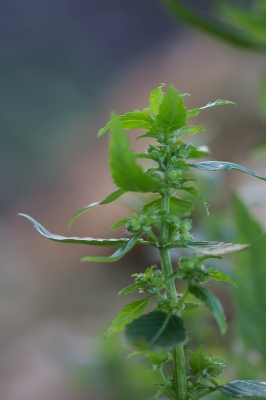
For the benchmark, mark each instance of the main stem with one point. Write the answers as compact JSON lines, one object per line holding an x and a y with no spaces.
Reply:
{"x":179,"y":370}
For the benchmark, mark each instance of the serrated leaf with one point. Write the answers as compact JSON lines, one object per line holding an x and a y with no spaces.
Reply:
{"x":190,"y":130}
{"x":196,"y":193}
{"x":198,"y":361}
{"x":225,"y":166}
{"x":131,"y":288}
{"x":219,"y":275}
{"x":158,"y":357}
{"x":247,"y":388}
{"x":172,"y":114}
{"x":118,"y":254}
{"x":109,"y":199}
{"x":156,"y":329}
{"x":127,"y":314}
{"x":63,"y":239}
{"x":136,"y":120}
{"x":196,"y":111}
{"x":215,"y":248}
{"x":212,"y":303}
{"x":126,"y":173}
{"x":178,"y":207}
{"x":156,"y":97}
{"x":119,"y":223}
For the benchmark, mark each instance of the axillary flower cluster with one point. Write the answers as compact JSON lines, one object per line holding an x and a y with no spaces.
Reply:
{"x":160,"y":334}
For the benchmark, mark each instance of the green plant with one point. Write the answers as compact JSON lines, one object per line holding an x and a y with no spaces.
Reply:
{"x":160,"y":334}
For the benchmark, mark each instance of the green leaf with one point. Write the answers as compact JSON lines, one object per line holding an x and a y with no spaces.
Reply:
{"x":172,"y":114}
{"x":136,"y":119}
{"x":131,"y":288}
{"x":196,"y":111}
{"x":109,"y":199}
{"x":197,"y":152}
{"x":63,"y":239}
{"x":191,"y":305}
{"x":156,"y":97}
{"x":215,"y":248}
{"x":195,"y":193}
{"x":178,"y":207}
{"x":119,"y":253}
{"x":225,"y":166}
{"x":158,"y":357}
{"x":190,"y":130}
{"x":156,"y":329}
{"x":212,"y":303}
{"x":247,"y":388}
{"x":127,"y":314}
{"x":119,"y":223}
{"x":131,"y":120}
{"x":219,"y":275}
{"x":126,"y":173}
{"x":198,"y":361}
{"x":163,"y":390}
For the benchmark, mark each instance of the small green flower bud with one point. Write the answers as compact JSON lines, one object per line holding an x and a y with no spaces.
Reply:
{"x":174,"y":173}
{"x":157,"y":278}
{"x":216,"y":369}
{"x":133,"y":225}
{"x":186,"y":237}
{"x":183,"y":151}
{"x":186,"y":263}
{"x":186,"y":225}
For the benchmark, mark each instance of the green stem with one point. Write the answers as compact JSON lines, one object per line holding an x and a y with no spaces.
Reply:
{"x":179,"y":369}
{"x":183,"y":298}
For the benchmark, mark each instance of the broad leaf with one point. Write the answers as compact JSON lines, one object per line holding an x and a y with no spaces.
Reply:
{"x":215,"y":248}
{"x":198,"y":361}
{"x":64,"y":239}
{"x":247,"y":388}
{"x":109,"y":199}
{"x":172,"y":114}
{"x":131,"y":288}
{"x":118,"y":254}
{"x":132,"y":120}
{"x":156,"y":329}
{"x":190,"y":130}
{"x":212,"y":303}
{"x":156,"y":97}
{"x":219,"y":275}
{"x":126,"y":173}
{"x":178,"y":207}
{"x":225,"y":166}
{"x":196,"y":111}
{"x":127,"y":314}
{"x":195,"y":193}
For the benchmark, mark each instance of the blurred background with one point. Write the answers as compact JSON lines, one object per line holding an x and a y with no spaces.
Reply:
{"x":64,"y":66}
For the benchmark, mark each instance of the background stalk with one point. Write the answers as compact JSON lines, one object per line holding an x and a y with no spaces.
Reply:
{"x":179,"y":368}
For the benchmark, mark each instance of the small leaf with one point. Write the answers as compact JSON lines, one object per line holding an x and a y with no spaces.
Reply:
{"x":126,"y":173}
{"x":119,"y":223}
{"x":225,"y":166}
{"x":127,"y":314}
{"x":109,"y":199}
{"x":136,"y":119}
{"x":163,"y":390}
{"x":63,"y":239}
{"x":196,"y":111}
{"x":197,"y":152}
{"x":156,"y":97}
{"x":158,"y":357}
{"x":248,"y":388}
{"x":199,"y":260}
{"x":190,"y":130}
{"x":219,"y":275}
{"x":212,"y":303}
{"x":178,"y":207}
{"x":215,"y":248}
{"x":118,"y":254}
{"x":131,"y":288}
{"x":172,"y":114}
{"x":195,"y":193}
{"x":156,"y":329}
{"x":198,"y":361}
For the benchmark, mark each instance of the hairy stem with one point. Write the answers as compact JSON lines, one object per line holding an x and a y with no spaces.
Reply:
{"x":179,"y":372}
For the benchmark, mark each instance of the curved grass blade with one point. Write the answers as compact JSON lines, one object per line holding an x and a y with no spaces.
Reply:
{"x":225,"y":166}
{"x":119,"y":253}
{"x":109,"y":199}
{"x":86,"y":240}
{"x":247,"y":388}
